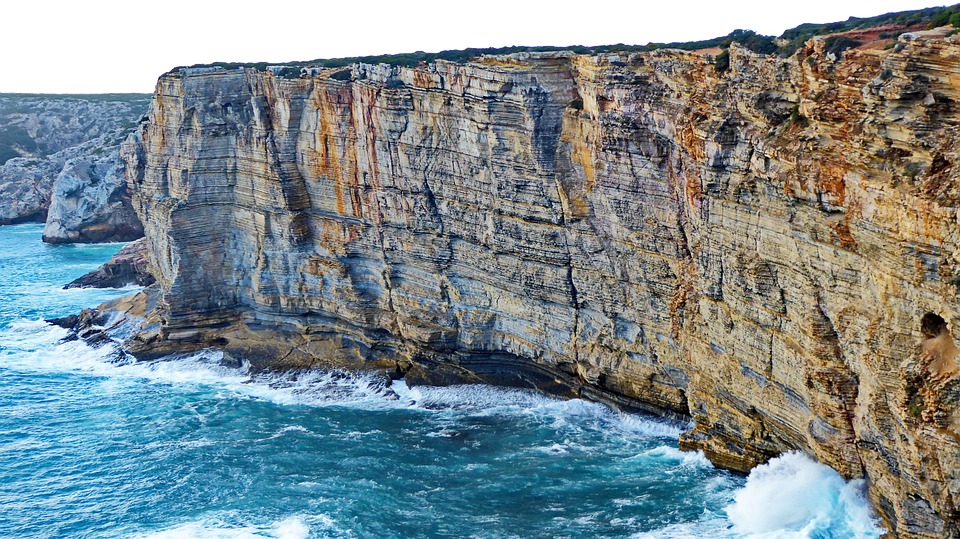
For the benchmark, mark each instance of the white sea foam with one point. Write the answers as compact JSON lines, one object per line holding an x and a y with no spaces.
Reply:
{"x":711,"y":527}
{"x":554,"y":449}
{"x":488,"y":400}
{"x":36,"y":346}
{"x":791,"y":497}
{"x":290,"y":429}
{"x":295,"y":527}
{"x":794,"y":497}
{"x":469,"y":396}
{"x":686,"y":459}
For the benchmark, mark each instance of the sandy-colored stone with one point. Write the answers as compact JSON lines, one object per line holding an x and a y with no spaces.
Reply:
{"x":754,"y":249}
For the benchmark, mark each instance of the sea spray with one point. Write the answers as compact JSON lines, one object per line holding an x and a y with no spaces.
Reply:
{"x":227,"y":527}
{"x":794,"y":496}
{"x":94,"y":444}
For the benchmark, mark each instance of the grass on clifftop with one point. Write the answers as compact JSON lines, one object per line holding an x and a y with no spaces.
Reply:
{"x":785,"y":45}
{"x":97,"y":98}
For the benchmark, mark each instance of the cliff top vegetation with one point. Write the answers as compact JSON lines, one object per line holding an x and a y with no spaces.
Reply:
{"x":12,"y":99}
{"x":36,"y":125}
{"x":785,"y":45}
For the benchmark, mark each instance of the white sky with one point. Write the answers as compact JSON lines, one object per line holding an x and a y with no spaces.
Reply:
{"x":82,"y":46}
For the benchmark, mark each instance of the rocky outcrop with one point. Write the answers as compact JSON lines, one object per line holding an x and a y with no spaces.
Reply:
{"x":25,"y":186}
{"x":59,"y":163}
{"x":90,"y":203}
{"x":128,"y":267}
{"x":755,"y":249}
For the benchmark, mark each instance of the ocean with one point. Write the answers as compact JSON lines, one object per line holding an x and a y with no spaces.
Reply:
{"x":96,"y":445}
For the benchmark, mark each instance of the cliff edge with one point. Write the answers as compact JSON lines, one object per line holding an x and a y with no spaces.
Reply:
{"x":770,"y":249}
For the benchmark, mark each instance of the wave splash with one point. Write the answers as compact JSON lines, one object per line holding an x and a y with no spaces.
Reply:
{"x":39,"y":346}
{"x":793,"y":496}
{"x":790,"y":497}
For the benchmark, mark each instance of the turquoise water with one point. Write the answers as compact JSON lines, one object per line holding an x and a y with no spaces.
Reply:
{"x":93,"y":446}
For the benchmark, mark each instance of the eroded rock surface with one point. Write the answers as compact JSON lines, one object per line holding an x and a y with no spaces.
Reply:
{"x":59,"y":164}
{"x":90,"y":202}
{"x":755,"y":249}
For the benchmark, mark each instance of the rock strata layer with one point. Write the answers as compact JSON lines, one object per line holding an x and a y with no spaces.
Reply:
{"x":771,"y":250}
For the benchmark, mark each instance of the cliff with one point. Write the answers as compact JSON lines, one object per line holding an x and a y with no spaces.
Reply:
{"x":59,"y":163}
{"x":770,"y":250}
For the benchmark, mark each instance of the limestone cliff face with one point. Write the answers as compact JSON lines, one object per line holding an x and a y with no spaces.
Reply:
{"x":771,"y":250}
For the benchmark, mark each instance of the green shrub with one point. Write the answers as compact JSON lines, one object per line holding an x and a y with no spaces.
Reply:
{"x":722,"y":62}
{"x":792,"y":39}
{"x":912,"y":170}
{"x":796,"y":118}
{"x":950,"y":15}
{"x":289,"y":73}
{"x":935,"y":16}
{"x":916,"y":405}
{"x":838,"y":44}
{"x":7,"y":154}
{"x":754,"y":41}
{"x":13,"y":137}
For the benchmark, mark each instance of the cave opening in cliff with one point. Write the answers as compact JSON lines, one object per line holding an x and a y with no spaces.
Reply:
{"x":932,"y":325}
{"x":939,"y":350}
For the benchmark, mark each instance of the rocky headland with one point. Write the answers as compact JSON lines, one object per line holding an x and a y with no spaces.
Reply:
{"x":59,"y":164}
{"x":767,"y":247}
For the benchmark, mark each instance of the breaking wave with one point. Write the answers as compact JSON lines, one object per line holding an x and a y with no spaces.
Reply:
{"x":792,"y":497}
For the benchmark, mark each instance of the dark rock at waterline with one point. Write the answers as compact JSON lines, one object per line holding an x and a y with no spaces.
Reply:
{"x":98,"y":327}
{"x":66,"y":322}
{"x":81,"y":321}
{"x":127,"y":267}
